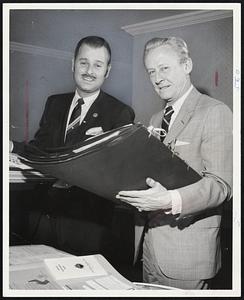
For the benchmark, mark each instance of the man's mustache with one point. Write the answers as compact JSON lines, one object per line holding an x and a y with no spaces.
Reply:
{"x":88,"y":75}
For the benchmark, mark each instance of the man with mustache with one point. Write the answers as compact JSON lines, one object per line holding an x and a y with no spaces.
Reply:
{"x":99,"y":111}
{"x":72,"y":211}
{"x":181,"y":247}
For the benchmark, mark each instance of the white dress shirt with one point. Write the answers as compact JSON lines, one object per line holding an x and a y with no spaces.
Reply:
{"x":177,"y":105}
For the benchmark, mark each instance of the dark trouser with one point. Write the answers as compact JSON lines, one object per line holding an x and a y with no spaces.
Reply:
{"x":73,"y":220}
{"x":82,"y":223}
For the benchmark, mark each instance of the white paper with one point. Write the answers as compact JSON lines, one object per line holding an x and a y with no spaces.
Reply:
{"x":21,"y":255}
{"x":14,"y":162}
{"x":112,"y":283}
{"x":74,"y":267}
{"x":32,"y":279}
{"x":108,"y":282}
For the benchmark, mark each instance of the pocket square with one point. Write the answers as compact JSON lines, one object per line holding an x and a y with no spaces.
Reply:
{"x":181,"y":143}
{"x":94,"y":131}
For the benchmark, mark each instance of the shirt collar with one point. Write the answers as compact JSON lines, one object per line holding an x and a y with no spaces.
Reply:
{"x":177,"y":105}
{"x":87,"y":99}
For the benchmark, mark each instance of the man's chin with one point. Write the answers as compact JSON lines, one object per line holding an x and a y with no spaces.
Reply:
{"x":87,"y":87}
{"x":87,"y":90}
{"x":164,"y":97}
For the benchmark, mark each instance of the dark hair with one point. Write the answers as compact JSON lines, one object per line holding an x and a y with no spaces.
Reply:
{"x":95,"y":42}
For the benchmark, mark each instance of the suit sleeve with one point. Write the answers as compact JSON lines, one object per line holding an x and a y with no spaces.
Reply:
{"x":43,"y":133}
{"x":40,"y":136}
{"x":217,"y":158}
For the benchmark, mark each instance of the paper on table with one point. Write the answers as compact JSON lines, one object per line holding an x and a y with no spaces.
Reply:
{"x":108,"y":282}
{"x":14,"y":162}
{"x":112,"y":283}
{"x":21,"y":255}
{"x":32,"y":279}
{"x":74,"y":267}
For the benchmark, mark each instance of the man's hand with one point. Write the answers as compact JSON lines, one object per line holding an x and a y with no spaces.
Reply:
{"x":154,"y":198}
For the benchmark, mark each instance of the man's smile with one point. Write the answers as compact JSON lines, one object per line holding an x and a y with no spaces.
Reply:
{"x":88,"y":78}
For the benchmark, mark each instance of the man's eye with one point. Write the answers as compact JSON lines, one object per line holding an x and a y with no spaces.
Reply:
{"x":98,"y":66}
{"x":83,"y":63}
{"x":151,"y":73}
{"x":164,"y":68}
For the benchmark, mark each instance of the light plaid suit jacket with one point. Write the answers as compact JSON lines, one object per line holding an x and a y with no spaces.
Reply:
{"x":187,"y":247}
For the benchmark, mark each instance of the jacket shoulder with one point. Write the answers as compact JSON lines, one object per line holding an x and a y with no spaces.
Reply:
{"x":60,"y":96}
{"x":210,"y":104}
{"x":111,"y":100}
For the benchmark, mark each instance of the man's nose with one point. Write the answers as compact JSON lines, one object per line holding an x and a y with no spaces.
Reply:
{"x":89,"y":69}
{"x":158,"y":78}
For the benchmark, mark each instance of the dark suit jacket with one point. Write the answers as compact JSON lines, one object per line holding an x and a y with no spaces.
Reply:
{"x":106,"y":112}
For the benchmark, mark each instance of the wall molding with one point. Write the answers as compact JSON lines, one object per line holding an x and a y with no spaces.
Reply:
{"x":36,"y":50}
{"x":178,"y":20}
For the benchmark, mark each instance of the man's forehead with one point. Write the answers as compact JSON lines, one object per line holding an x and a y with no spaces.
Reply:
{"x":163,"y":49}
{"x":88,"y":48}
{"x":162,"y":52}
{"x":100,"y":52}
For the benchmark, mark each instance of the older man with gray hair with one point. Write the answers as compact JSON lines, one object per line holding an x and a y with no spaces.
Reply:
{"x":181,"y":245}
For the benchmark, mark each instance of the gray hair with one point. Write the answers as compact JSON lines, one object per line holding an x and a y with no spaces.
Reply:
{"x":177,"y":44}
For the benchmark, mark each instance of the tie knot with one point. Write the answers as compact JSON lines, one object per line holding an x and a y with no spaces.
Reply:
{"x":80,"y":101}
{"x":169,"y":110}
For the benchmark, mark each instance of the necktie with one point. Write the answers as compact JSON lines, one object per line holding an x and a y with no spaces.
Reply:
{"x":74,"y":121}
{"x":166,"y":120}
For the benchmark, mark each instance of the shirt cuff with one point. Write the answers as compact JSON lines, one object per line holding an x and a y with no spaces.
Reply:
{"x":176,"y":202}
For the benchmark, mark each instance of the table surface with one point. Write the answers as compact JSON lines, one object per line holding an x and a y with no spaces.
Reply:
{"x":22,"y":176}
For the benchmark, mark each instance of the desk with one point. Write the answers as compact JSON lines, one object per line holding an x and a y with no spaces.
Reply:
{"x":31,"y":194}
{"x":25,"y":192}
{"x":29,"y":271}
{"x":22,"y":173}
{"x":24,"y":176}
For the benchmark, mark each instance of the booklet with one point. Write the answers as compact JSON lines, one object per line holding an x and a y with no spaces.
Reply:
{"x":74,"y":267}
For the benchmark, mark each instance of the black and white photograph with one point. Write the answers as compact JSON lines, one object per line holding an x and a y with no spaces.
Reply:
{"x":121,"y":149}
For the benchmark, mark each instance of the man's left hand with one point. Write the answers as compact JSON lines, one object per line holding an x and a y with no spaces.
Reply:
{"x":155,"y":198}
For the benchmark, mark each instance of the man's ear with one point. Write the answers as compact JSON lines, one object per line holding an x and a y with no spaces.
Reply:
{"x":188,"y":66}
{"x":108,"y":71}
{"x":73,"y":65}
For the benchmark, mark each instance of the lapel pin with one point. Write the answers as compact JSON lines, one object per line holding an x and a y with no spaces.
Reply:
{"x":95,"y":115}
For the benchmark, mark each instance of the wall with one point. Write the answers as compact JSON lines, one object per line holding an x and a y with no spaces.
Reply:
{"x":47,"y":39}
{"x":42,"y":43}
{"x":210,"y":45}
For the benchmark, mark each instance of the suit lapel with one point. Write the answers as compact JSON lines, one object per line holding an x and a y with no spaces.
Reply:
{"x":66,"y":107}
{"x":94,"y":111}
{"x":183,"y":117}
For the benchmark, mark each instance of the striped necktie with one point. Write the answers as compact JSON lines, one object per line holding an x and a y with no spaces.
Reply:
{"x":74,"y":121}
{"x":166,"y":120}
